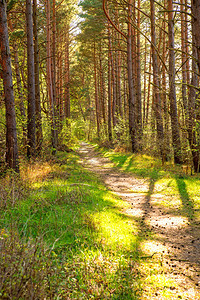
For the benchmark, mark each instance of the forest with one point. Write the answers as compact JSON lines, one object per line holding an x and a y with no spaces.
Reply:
{"x":99,"y":149}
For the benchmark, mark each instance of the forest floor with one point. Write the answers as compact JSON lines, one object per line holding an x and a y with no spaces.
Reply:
{"x":168,"y":237}
{"x":99,"y":224}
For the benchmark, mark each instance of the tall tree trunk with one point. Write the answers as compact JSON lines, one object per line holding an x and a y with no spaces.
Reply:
{"x":50,"y":81}
{"x":113,"y":77}
{"x":145,"y":83}
{"x":184,"y":59}
{"x":119,"y":94}
{"x":165,"y":103}
{"x":38,"y":117}
{"x":53,"y":65}
{"x":96,"y":92}
{"x":118,"y":71}
{"x":132,"y":123}
{"x":67,"y":79}
{"x":187,"y":43}
{"x":157,"y":100}
{"x":149,"y":91}
{"x":138,"y":84}
{"x":11,"y":132}
{"x":60,"y":76}
{"x":172,"y":88}
{"x":195,"y":4}
{"x":102,"y":86}
{"x":109,"y":87}
{"x":19,"y":87}
{"x":31,"y":81}
{"x":193,"y":91}
{"x":20,"y":92}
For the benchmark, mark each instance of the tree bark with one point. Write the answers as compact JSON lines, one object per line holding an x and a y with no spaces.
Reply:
{"x":157,"y":100}
{"x":53,"y":65}
{"x":114,"y":90}
{"x":195,"y":5}
{"x":172,"y":88}
{"x":20,"y":92}
{"x":96,"y":93}
{"x":11,"y":131}
{"x":67,"y":90}
{"x":132,"y":123}
{"x":184,"y":60}
{"x":31,"y":81}
{"x":38,"y":117}
{"x":192,"y":130}
{"x":132,"y":119}
{"x":138,"y":85}
{"x":109,"y":87}
{"x":19,"y":87}
{"x":102,"y":86}
{"x":50,"y":80}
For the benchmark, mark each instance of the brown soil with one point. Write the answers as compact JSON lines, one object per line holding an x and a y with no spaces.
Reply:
{"x":175,"y":242}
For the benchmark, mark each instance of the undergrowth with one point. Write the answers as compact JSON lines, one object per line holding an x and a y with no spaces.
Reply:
{"x":64,"y":236}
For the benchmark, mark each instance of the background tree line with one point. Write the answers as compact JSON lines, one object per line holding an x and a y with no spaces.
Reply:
{"x":129,"y":76}
{"x":35,"y":49}
{"x":142,"y":58}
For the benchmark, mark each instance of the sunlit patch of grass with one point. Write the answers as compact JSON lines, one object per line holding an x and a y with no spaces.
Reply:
{"x":81,"y":223}
{"x":37,"y":171}
{"x":116,"y":230}
{"x":161,"y":286}
{"x":141,"y":165}
{"x":166,"y":186}
{"x":167,"y":202}
{"x":175,"y":188}
{"x":96,"y":250}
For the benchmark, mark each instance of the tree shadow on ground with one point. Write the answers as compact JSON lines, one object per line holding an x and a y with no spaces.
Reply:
{"x":181,"y":242}
{"x":188,"y":205}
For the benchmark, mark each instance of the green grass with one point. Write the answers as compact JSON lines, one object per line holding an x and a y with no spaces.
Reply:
{"x":92,"y":243}
{"x":179,"y":191}
{"x":92,"y":250}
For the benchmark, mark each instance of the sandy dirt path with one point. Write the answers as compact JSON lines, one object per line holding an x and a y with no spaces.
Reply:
{"x":175,"y":242}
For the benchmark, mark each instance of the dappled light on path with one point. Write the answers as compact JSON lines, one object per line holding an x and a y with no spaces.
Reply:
{"x":164,"y":232}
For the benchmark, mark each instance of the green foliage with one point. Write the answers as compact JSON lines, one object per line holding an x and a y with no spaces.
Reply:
{"x":65,"y":236}
{"x":167,"y":180}
{"x":66,"y":136}
{"x":73,"y":215}
{"x":94,"y":18}
{"x":17,"y":34}
{"x":11,"y":5}
{"x":121,"y":133}
{"x":80,"y":129}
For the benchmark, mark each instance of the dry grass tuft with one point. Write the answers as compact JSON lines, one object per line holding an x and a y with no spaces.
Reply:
{"x":123,"y":148}
{"x":12,"y":189}
{"x":37,"y":171}
{"x":25,"y":269}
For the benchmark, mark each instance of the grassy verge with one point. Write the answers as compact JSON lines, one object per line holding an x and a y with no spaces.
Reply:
{"x":63,"y":236}
{"x":179,"y":191}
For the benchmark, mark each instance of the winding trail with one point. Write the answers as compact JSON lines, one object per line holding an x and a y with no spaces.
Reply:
{"x":172,"y":238}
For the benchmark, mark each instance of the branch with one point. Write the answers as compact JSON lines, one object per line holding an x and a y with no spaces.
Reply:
{"x":59,"y":4}
{"x":152,"y":44}
{"x":109,"y":19}
{"x":139,"y":30}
